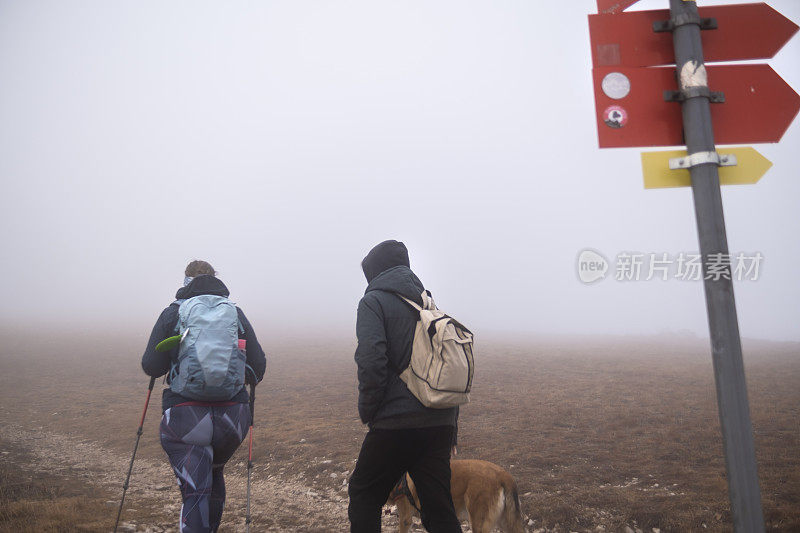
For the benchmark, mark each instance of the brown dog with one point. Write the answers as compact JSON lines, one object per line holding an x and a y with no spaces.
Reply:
{"x":482,"y":492}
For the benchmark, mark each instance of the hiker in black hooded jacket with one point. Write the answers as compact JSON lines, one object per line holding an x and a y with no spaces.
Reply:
{"x":404,"y":435}
{"x":201,"y":436}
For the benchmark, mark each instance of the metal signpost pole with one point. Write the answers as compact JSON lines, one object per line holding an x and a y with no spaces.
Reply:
{"x":734,"y":411}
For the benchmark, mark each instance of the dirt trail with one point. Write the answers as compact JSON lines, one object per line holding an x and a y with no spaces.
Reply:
{"x":277,"y":504}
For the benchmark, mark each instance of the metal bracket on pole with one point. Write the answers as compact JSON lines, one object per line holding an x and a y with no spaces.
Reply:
{"x":695,"y":92}
{"x":702,"y":158}
{"x":682,"y":20}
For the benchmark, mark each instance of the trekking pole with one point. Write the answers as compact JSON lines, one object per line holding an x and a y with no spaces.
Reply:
{"x":250,"y":453}
{"x":135,"y":447}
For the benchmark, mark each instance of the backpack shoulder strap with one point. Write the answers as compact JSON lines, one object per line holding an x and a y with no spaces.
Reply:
{"x":427,"y":301}
{"x":412,"y":303}
{"x":239,"y":314}
{"x":178,"y":321}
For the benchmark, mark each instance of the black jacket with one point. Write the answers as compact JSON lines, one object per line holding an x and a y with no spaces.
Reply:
{"x":385,"y":329}
{"x":159,"y":363}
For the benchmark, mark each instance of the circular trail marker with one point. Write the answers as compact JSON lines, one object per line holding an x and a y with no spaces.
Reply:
{"x":615,"y":116}
{"x":616,"y":85}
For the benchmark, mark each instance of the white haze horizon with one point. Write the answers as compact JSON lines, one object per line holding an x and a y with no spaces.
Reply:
{"x":281,"y":140}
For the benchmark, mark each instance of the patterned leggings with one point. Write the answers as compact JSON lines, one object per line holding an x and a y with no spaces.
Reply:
{"x":199,"y":440}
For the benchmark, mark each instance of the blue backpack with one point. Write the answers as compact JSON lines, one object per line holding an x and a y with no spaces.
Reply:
{"x":210,"y":365}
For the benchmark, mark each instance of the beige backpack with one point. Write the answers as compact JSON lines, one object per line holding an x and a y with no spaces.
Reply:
{"x":441,"y":367}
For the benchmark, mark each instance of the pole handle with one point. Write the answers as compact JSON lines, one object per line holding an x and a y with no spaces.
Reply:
{"x":252,"y":402}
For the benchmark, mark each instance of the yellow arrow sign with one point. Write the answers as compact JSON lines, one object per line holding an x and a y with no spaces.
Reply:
{"x":750,"y":167}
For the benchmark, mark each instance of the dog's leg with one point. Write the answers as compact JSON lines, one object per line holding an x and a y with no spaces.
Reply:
{"x":481,"y":524}
{"x":486,"y":511}
{"x":513,"y":521}
{"x":403,"y":515}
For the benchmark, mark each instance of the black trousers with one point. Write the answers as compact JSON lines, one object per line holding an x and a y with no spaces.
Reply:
{"x":387,"y":454}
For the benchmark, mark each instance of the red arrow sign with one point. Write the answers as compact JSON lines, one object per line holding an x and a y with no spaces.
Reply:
{"x":746,"y":31}
{"x":759,"y":106}
{"x":614,"y":6}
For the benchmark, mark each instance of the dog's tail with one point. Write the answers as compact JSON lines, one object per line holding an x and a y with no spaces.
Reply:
{"x":513,"y":511}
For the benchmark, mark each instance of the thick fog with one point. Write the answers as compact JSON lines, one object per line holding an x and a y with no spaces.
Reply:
{"x":281,"y":140}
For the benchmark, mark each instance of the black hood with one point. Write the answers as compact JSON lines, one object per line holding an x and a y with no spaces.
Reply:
{"x":202,"y":285}
{"x":384,"y":256}
{"x":399,"y":279}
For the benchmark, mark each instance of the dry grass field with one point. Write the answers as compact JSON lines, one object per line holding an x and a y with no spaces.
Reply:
{"x":601,"y":434}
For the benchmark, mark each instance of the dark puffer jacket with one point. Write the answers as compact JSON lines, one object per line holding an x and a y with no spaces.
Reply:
{"x":385,"y":329}
{"x":159,"y":363}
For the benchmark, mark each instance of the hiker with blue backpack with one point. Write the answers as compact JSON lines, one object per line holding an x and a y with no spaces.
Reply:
{"x":206,"y":412}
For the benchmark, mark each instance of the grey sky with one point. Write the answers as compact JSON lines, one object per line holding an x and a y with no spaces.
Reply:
{"x":281,"y":140}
